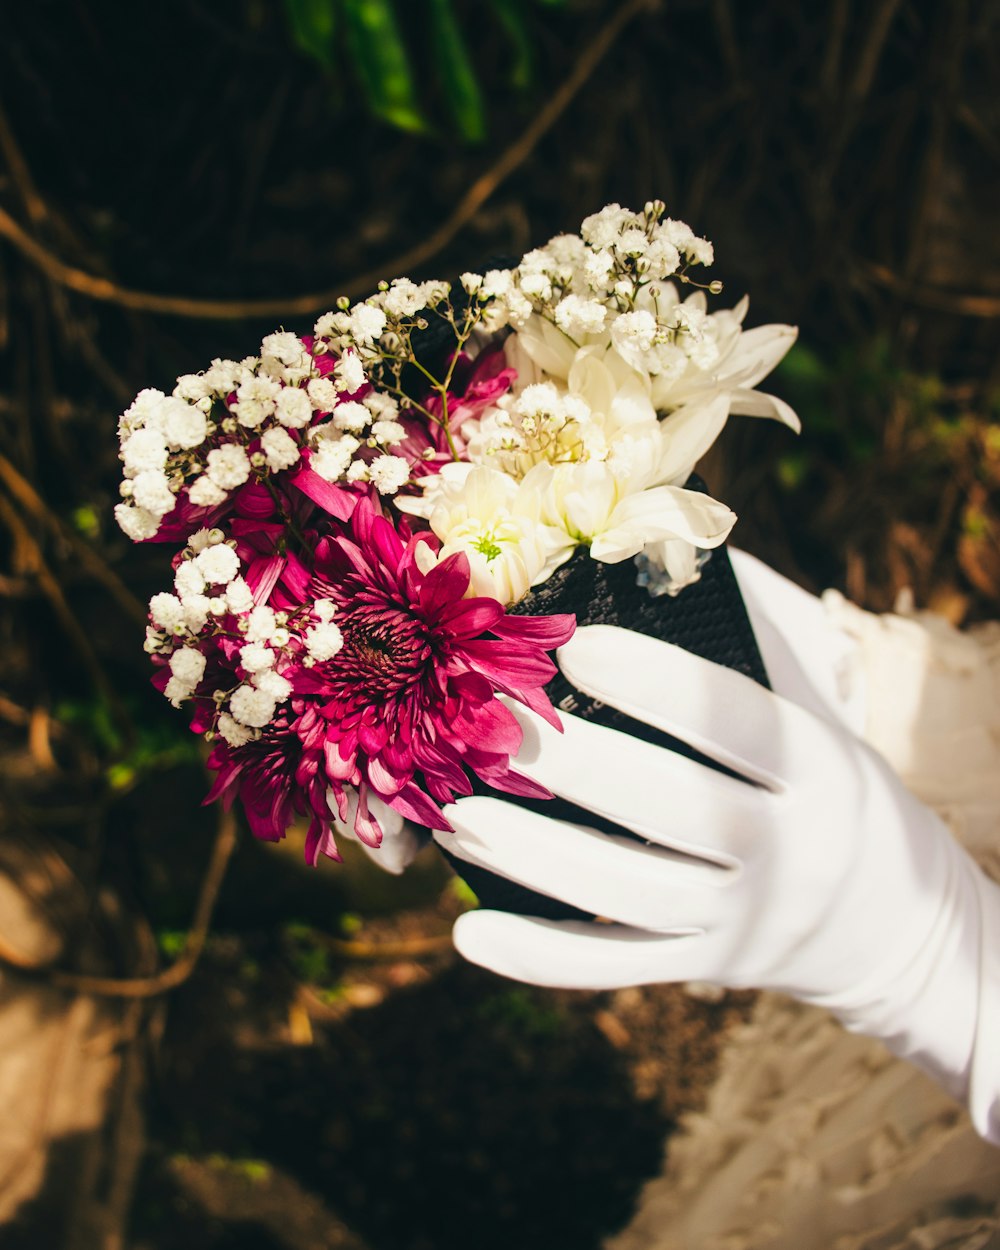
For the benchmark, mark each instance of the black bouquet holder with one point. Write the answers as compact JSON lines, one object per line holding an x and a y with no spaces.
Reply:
{"x":707,"y":618}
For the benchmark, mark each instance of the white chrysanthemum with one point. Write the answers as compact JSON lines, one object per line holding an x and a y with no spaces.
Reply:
{"x":184,"y":426}
{"x":350,"y":373}
{"x":279,"y":447}
{"x":239,"y":596}
{"x":167,"y":611}
{"x":496,"y":283}
{"x":204,"y":493}
{"x":579,"y":317}
{"x":388,"y":432}
{"x":333,"y":456}
{"x":141,"y":412}
{"x":283,"y":355}
{"x":188,"y":580}
{"x":351,"y":416}
{"x":144,"y":450}
{"x":228,"y":466}
{"x":217,"y":564}
{"x":633,"y":333}
{"x":601,"y":229}
{"x":252,"y":707}
{"x":323,"y":641}
{"x":225,"y":376}
{"x":233,"y":732}
{"x":404,"y":298}
{"x":379,"y":404}
{"x":188,"y":665}
{"x":616,"y":517}
{"x":255,"y":400}
{"x":136,"y":523}
{"x":322,"y":394}
{"x":261,"y":624}
{"x":192,"y":387}
{"x":196,"y":612}
{"x":177,"y":691}
{"x":388,"y":473}
{"x":293,"y":408}
{"x":482,"y":513}
{"x":255,"y":657}
{"x":151,"y":490}
{"x":273,"y":685}
{"x":332,"y":325}
{"x":367,"y":323}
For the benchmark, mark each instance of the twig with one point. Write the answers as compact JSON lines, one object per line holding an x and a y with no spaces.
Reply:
{"x":871,"y":53}
{"x":95,"y":287}
{"x":32,"y":502}
{"x":49,"y":585}
{"x":178,"y":972}
{"x":408,"y":948}
{"x":985,"y":306}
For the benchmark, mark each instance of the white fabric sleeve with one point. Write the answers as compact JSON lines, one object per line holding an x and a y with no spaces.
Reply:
{"x":933,"y":711}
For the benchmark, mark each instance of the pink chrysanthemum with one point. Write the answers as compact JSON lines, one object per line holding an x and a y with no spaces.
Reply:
{"x":408,"y":707}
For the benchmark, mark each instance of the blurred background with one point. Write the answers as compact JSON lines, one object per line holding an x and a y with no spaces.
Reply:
{"x":206,"y":1044}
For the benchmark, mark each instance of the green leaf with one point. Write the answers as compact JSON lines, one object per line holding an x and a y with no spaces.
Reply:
{"x":458,"y":78}
{"x":313,"y":23}
{"x":382,"y":63}
{"x":509,"y":16}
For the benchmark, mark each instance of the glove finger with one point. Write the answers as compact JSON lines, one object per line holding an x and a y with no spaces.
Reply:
{"x":658,"y":794}
{"x":808,"y":658}
{"x":574,"y":954}
{"x":720,"y":712}
{"x":615,"y":877}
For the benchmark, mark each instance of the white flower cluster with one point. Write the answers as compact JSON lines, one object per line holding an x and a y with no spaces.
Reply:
{"x":252,"y":417}
{"x":621,"y":387}
{"x":211,"y":606}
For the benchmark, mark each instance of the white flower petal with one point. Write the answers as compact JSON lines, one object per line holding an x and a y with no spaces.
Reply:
{"x":687,"y":435}
{"x":659,"y":513}
{"x":756,"y":352}
{"x":749,"y":403}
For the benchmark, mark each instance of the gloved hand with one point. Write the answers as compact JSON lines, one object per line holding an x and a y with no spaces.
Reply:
{"x":813,"y":871}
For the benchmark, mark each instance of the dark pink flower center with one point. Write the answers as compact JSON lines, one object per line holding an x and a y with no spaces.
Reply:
{"x":386,"y":651}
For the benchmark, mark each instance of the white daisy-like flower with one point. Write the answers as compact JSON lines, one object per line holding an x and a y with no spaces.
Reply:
{"x":323,"y":641}
{"x":388,"y":473}
{"x":239,"y":596}
{"x":252,"y":707}
{"x":293,"y":408}
{"x":322,"y":394}
{"x":204,"y":493}
{"x":167,"y":611}
{"x":218,"y":564}
{"x":228,"y":466}
{"x":188,"y":580}
{"x":272,"y":684}
{"x":281,"y":450}
{"x":235,"y":734}
{"x":350,"y":373}
{"x":367,"y":323}
{"x":151,"y":490}
{"x":184,"y":426}
{"x":255,"y":657}
{"x":188,"y":665}
{"x":144,"y":450}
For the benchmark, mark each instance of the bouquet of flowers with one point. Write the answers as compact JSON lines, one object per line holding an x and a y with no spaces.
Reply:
{"x":361,"y":514}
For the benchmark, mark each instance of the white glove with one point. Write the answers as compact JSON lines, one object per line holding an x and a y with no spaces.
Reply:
{"x":816,"y":873}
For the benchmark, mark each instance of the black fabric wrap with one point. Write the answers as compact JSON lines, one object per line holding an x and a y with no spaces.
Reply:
{"x":707,"y":618}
